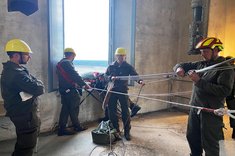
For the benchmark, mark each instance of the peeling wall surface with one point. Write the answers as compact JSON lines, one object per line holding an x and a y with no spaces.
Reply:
{"x":161,"y":41}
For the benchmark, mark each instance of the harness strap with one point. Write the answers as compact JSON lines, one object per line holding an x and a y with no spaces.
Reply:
{"x":64,"y":74}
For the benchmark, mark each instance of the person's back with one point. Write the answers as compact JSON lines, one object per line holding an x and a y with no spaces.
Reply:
{"x":66,"y":77}
{"x":69,"y":84}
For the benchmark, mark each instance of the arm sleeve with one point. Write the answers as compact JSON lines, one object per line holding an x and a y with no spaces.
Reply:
{"x":187,"y":66}
{"x":108,"y":74}
{"x":30,"y":84}
{"x":223,"y":87}
{"x":134,"y":73}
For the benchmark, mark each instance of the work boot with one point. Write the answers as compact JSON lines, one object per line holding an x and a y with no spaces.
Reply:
{"x":118,"y":136}
{"x":127,"y":135}
{"x":62,"y":132}
{"x":233,"y":134}
{"x":80,"y":128}
{"x":135,"y":110}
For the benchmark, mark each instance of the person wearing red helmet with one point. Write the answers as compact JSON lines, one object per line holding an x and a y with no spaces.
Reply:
{"x":210,"y":89}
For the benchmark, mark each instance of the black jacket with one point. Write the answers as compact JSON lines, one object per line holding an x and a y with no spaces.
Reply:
{"x":210,"y":91}
{"x":65,"y":68}
{"x":124,"y":69}
{"x":15,"y":79}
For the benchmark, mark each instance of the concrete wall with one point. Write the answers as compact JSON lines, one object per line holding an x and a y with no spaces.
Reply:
{"x":162,"y":38}
{"x":219,"y":22}
{"x":222,"y":23}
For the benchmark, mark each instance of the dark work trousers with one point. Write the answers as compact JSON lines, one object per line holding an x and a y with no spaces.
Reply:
{"x":231,"y":105}
{"x":204,"y":132}
{"x":70,"y":107}
{"x":27,"y":129}
{"x":132,"y":104}
{"x":112,"y":111}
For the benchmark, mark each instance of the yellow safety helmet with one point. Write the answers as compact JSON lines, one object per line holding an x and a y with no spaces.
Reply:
{"x":69,"y":50}
{"x":120,"y":51}
{"x":17,"y":45}
{"x":210,"y":42}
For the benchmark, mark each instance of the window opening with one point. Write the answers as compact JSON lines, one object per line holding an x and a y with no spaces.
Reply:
{"x":86,"y":30}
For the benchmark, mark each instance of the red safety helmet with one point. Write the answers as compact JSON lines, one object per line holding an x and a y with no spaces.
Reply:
{"x":210,"y":42}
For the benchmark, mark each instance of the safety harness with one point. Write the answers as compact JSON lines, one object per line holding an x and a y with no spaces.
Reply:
{"x":64,"y":74}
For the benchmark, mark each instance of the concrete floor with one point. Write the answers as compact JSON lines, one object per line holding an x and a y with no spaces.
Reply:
{"x":155,"y":134}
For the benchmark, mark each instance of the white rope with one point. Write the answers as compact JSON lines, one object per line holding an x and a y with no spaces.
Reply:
{"x":173,"y":74}
{"x":219,"y":112}
{"x":222,"y":111}
{"x":150,"y":82}
{"x":167,"y":94}
{"x":147,"y":77}
{"x":222,"y":68}
{"x":213,"y":66}
{"x":148,"y":98}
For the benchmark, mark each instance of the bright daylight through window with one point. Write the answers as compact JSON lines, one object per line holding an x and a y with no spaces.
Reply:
{"x":86,"y":30}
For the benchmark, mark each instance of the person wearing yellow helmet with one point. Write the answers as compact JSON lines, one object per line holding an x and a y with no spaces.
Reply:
{"x":19,"y":91}
{"x":210,"y":88}
{"x":69,"y":51}
{"x":20,"y":48}
{"x":70,"y":82}
{"x":120,"y":51}
{"x":120,"y":55}
{"x":120,"y":68}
